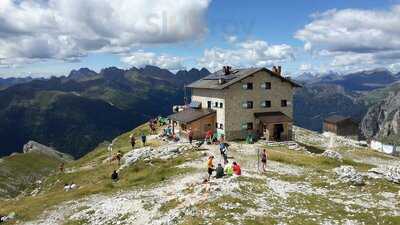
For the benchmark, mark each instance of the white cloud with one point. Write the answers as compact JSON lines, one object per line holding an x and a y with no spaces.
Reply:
{"x":353,"y":30}
{"x":354,"y":39}
{"x":256,"y":53}
{"x":69,"y":29}
{"x":231,"y":39}
{"x":305,"y":67}
{"x":141,"y":58}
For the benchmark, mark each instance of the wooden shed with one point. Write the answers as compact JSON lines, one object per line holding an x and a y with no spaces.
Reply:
{"x":199,"y":120}
{"x":341,"y":126}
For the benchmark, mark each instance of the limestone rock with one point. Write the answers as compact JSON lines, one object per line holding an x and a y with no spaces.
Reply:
{"x":348,"y":174}
{"x":332,"y":155}
{"x":391,"y":173}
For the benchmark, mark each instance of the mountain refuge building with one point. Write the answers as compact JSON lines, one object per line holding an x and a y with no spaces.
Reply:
{"x":236,"y":103}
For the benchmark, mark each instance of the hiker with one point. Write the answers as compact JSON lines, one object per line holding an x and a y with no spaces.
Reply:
{"x":264,"y":157}
{"x":223,"y":148}
{"x":133,"y":141}
{"x":236,"y":169}
{"x":114,"y":176}
{"x":219,"y":171}
{"x":190,"y":135}
{"x":208,"y":137}
{"x":119,"y":157}
{"x":61,"y":168}
{"x":144,"y":139}
{"x":228,"y":169}
{"x":152,"y":126}
{"x":210,"y":166}
{"x":222,"y":138}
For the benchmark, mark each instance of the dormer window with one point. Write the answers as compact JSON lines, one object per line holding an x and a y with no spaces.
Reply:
{"x":266,"y":85}
{"x":248,"y":86}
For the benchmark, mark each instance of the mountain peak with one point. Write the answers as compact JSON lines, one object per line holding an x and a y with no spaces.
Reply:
{"x":82,"y":72}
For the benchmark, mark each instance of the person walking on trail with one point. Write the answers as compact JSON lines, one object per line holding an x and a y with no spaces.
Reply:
{"x":210,"y":166}
{"x":190,"y":135}
{"x":219,"y":171}
{"x":61,"y":168}
{"x":236,"y":169}
{"x":223,"y":148}
{"x":144,"y":139}
{"x":264,"y":157}
{"x":119,"y":157}
{"x":133,"y":141}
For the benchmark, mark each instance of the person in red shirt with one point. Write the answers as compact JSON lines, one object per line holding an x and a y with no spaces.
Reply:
{"x":236,"y":169}
{"x":208,"y":136}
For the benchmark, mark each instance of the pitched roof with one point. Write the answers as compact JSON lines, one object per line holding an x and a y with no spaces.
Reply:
{"x":337,"y":119}
{"x":272,"y":117}
{"x":190,"y":115}
{"x":212,"y":81}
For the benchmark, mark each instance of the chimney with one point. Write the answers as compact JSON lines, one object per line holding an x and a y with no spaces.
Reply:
{"x":227,"y":70}
{"x":274,"y":69}
{"x":279,"y":70}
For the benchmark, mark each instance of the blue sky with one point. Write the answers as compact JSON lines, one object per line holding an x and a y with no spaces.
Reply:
{"x":43,"y":38}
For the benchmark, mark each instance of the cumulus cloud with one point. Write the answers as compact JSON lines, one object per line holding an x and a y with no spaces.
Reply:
{"x":353,"y":30}
{"x":141,"y":58}
{"x":354,"y":37}
{"x":256,"y":53}
{"x":69,"y":29}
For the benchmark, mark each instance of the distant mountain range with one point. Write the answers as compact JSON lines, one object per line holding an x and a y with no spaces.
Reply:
{"x":359,"y":81}
{"x":76,"y":112}
{"x":7,"y":82}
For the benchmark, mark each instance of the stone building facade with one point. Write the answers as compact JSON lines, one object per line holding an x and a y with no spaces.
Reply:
{"x":247,"y":101}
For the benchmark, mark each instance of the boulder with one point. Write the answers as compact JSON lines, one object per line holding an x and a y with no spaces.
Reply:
{"x":348,"y":174}
{"x":390,"y":173}
{"x":332,"y":155}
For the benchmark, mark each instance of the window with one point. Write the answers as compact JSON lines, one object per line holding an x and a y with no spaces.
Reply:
{"x":266,"y":85}
{"x":283,"y":103}
{"x":221,"y":105}
{"x":221,"y":126}
{"x":248,"y":86}
{"x":209,"y":104}
{"x":266,"y":104}
{"x":216,"y":125}
{"x":247,"y":105}
{"x":216,"y":104}
{"x":249,"y":126}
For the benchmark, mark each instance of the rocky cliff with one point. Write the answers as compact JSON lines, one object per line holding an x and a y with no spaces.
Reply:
{"x":382,"y":120}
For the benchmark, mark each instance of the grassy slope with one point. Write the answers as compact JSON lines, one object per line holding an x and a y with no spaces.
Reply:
{"x":18,"y":172}
{"x":138,"y":175}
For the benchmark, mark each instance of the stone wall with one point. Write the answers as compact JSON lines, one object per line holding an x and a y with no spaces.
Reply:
{"x":236,"y":95}
{"x":233,"y":116}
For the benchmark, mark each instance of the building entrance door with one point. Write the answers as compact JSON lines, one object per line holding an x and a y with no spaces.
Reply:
{"x":278,"y":130}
